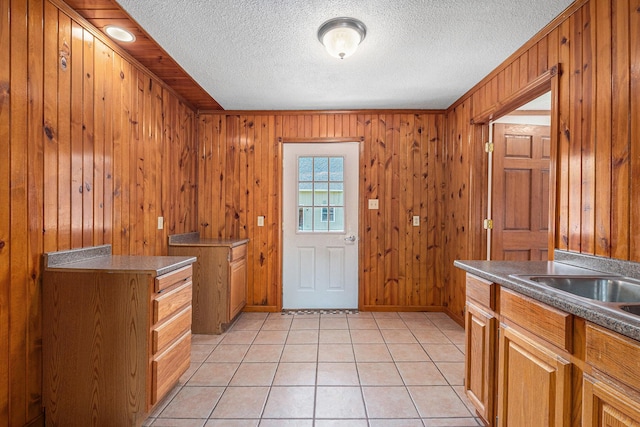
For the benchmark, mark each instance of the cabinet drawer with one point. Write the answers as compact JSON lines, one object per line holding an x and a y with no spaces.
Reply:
{"x":164,"y":305}
{"x":169,"y":366}
{"x":167,"y":280}
{"x":238,"y":252}
{"x":167,"y":332}
{"x":614,"y":355}
{"x":546,"y":322}
{"x":481,"y":291}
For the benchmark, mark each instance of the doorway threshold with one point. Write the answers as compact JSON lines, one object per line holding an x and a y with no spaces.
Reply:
{"x":294,"y":312}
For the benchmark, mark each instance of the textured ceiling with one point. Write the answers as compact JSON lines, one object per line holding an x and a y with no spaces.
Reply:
{"x":265,"y":55}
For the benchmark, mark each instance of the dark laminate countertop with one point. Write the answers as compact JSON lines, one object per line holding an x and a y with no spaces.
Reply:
{"x":193,"y":239}
{"x":99,"y":258}
{"x":606,"y":315}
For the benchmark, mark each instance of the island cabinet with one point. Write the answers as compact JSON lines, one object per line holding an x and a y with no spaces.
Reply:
{"x":116,"y":334}
{"x":611,"y":391}
{"x":219,"y":279}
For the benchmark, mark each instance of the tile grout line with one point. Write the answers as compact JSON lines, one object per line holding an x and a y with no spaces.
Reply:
{"x":319,"y":330}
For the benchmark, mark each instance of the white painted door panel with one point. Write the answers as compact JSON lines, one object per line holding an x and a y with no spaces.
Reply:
{"x":320,"y":226}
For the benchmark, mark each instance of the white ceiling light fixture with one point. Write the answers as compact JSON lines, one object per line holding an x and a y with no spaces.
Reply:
{"x":341,"y":36}
{"x":119,"y":34}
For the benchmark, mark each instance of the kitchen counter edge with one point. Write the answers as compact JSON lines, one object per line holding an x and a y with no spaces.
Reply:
{"x":500,"y":272}
{"x":100,"y":259}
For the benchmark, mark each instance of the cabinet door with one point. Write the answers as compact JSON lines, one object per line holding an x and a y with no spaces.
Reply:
{"x":480,"y":328}
{"x":603,"y":406}
{"x":534,"y":383}
{"x":237,"y":287}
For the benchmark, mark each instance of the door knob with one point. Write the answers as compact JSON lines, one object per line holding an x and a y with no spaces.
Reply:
{"x":350,"y":238}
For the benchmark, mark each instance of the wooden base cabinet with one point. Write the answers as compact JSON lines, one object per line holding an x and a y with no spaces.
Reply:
{"x":534,"y":383}
{"x":530,"y":364}
{"x":611,"y":394}
{"x":114,"y":341}
{"x":480,"y":327}
{"x":605,"y":406}
{"x":481,"y":352}
{"x":219,"y":279}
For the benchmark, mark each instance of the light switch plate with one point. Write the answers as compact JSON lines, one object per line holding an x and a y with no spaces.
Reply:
{"x":261,"y":221}
{"x":416,"y":220}
{"x":160,"y":223}
{"x":373,"y":203}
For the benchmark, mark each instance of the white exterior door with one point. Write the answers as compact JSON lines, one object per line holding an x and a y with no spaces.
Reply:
{"x":320,"y":215}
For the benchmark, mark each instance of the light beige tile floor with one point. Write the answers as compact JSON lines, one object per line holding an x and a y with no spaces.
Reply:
{"x":320,"y":370}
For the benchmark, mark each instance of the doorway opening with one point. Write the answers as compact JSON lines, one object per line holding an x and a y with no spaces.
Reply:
{"x":519,"y":183}
{"x":320,"y":225}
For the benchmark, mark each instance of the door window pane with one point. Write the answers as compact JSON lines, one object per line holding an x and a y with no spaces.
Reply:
{"x":336,"y":169}
{"x":305,"y":169}
{"x":321,"y":169}
{"x":320,"y":194}
{"x":305,"y":196}
{"x":336,"y":194}
{"x":305,"y":219}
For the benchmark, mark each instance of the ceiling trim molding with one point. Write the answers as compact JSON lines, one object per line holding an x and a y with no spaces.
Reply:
{"x":312,"y":112}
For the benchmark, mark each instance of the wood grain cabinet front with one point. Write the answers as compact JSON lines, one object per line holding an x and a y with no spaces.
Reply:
{"x":534,"y":383}
{"x":114,"y":342}
{"x":480,"y":360}
{"x":237,"y":282}
{"x":514,"y":375}
{"x":170,"y":331}
{"x":169,"y":365}
{"x":480,"y":355}
{"x":219,"y":279}
{"x":605,"y":405}
{"x":530,"y":364}
{"x":611,"y":394}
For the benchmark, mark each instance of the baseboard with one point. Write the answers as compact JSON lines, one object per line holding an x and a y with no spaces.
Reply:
{"x":403,"y":308}
{"x":455,"y":317}
{"x":260,"y":308}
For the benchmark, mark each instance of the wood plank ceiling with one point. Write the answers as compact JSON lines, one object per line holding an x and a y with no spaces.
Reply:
{"x":101,"y":13}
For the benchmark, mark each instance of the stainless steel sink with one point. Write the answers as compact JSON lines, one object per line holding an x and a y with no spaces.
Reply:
{"x":617,"y":293}
{"x":605,"y":289}
{"x":633,"y":309}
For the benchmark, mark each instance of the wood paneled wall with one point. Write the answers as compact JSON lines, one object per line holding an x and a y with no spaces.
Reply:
{"x":95,"y":152}
{"x":597,"y":47}
{"x":401,"y":164}
{"x":92,"y":150}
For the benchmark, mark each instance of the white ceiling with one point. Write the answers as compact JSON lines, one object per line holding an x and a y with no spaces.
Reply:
{"x":265,"y":55}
